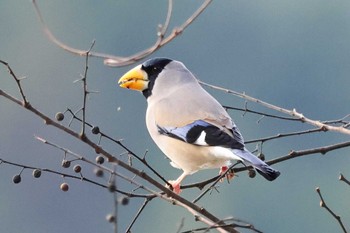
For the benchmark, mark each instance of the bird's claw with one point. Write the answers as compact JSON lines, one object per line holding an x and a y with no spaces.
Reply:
{"x":229,"y":175}
{"x":175,"y":186}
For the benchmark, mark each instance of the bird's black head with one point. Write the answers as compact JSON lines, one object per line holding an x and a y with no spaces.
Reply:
{"x":153,"y":67}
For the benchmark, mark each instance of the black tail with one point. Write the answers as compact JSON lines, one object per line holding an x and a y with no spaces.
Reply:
{"x":261,"y":167}
{"x":267,"y":172}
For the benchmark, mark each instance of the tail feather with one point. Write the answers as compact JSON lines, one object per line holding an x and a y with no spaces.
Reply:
{"x":267,"y":172}
{"x":261,"y":167}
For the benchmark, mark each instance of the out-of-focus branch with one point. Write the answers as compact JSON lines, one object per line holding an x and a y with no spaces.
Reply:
{"x":118,"y":61}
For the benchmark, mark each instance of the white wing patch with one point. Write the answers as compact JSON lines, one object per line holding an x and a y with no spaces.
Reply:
{"x":201,"y":139}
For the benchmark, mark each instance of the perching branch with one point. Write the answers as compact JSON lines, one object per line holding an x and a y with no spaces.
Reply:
{"x":166,"y":193}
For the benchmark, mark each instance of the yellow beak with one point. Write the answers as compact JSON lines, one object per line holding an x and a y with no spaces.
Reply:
{"x":135,"y":79}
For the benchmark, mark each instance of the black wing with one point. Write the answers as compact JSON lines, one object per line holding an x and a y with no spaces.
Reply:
{"x":202,"y":133}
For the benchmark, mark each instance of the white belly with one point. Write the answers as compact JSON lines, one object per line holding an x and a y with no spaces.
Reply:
{"x":191,"y":158}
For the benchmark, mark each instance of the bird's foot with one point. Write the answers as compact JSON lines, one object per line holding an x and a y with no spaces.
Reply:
{"x":175,"y":186}
{"x":229,"y":175}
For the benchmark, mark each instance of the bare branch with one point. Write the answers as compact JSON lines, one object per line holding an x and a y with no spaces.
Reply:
{"x":119,"y":142}
{"x":342,"y":178}
{"x":281,"y":135}
{"x":18,"y":80}
{"x":213,"y":184}
{"x":144,"y":204}
{"x":324,"y":205}
{"x":82,"y":178}
{"x":166,"y":193}
{"x":86,"y":92}
{"x":118,"y":61}
{"x":318,"y":150}
{"x":291,"y":155}
{"x":292,"y":113}
{"x":220,"y":228}
{"x":259,"y":113}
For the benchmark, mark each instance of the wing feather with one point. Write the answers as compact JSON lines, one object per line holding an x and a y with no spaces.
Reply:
{"x":186,"y":104}
{"x":195,"y":132}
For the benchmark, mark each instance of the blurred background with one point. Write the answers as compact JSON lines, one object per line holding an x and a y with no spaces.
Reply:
{"x":294,"y":54}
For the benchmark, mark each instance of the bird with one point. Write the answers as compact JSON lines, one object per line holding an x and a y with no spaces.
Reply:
{"x":187,"y":123}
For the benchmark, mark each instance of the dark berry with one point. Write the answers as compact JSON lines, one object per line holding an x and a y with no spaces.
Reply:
{"x":124,"y":200}
{"x":64,"y":187}
{"x":98,"y":172}
{"x":77,"y":168}
{"x":110,"y":218}
{"x":261,"y":156}
{"x":251,"y":173}
{"x":36,"y":173}
{"x":16,"y":179}
{"x":59,"y":116}
{"x":111,"y":187}
{"x":65,"y":163}
{"x":95,"y":130}
{"x":100,"y":159}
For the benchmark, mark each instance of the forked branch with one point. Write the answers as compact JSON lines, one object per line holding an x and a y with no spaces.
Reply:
{"x":117,"y":61}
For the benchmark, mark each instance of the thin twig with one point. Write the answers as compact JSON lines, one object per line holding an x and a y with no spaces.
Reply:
{"x":85,"y":90}
{"x":115,"y":210}
{"x":129,"y":151}
{"x":18,"y":82}
{"x":80,"y":177}
{"x":292,"y":113}
{"x":259,"y":113}
{"x":82,"y":158}
{"x":293,"y":154}
{"x":324,"y":205}
{"x":342,"y":178}
{"x":220,"y":226}
{"x":318,"y":150}
{"x":213,"y":184}
{"x":144,"y":204}
{"x":118,"y":61}
{"x":281,"y":135}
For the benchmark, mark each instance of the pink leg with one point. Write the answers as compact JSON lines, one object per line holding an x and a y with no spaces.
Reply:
{"x":229,"y":175}
{"x":177,"y":183}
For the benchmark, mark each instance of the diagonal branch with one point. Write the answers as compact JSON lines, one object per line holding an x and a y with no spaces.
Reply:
{"x":167,"y":194}
{"x":342,"y":178}
{"x":18,"y":82}
{"x":324,"y":205}
{"x":291,"y":155}
{"x":119,"y":142}
{"x":143,"y":206}
{"x":293,"y":113}
{"x":281,"y":135}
